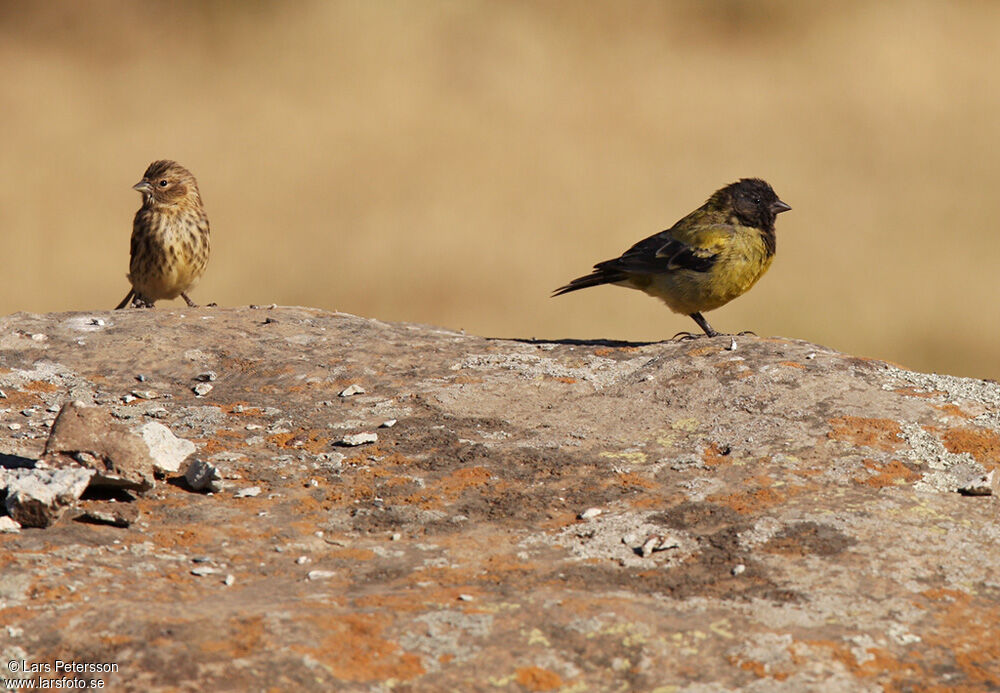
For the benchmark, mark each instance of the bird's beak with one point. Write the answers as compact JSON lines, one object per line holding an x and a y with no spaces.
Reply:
{"x":779,"y":207}
{"x":143,"y":186}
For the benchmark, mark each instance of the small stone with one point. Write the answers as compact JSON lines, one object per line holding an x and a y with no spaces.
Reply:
{"x":201,"y":559}
{"x":589,"y":514}
{"x":128,"y":399}
{"x":203,"y":476}
{"x":248,"y":492}
{"x":8,"y":525}
{"x":206,"y":377}
{"x":332,"y":459}
{"x":145,"y":394}
{"x":352,"y":390}
{"x":167,"y":450}
{"x":202,"y":389}
{"x":228,"y":582}
{"x":302,"y":560}
{"x":732,"y":344}
{"x":108,"y":513}
{"x":39,"y":497}
{"x":987,"y":484}
{"x":321,"y":574}
{"x":466,"y":597}
{"x":3,"y":395}
{"x":39,"y":337}
{"x":141,"y":378}
{"x":657,"y":542}
{"x":388,"y":424}
{"x":14,"y":426}
{"x":739,"y":569}
{"x":811,"y":355}
{"x":203,"y":570}
{"x":89,"y":436}
{"x":356,"y":439}
{"x":253,"y":427}
{"x":396,"y":536}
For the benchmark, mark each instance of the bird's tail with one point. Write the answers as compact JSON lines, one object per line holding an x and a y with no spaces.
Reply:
{"x":596,"y":278}
{"x":125,"y":301}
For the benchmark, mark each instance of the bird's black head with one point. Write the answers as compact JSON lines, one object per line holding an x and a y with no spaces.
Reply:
{"x":752,"y":201}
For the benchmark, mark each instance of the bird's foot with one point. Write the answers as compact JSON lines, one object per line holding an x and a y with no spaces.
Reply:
{"x":140,"y":302}
{"x":744,"y":333}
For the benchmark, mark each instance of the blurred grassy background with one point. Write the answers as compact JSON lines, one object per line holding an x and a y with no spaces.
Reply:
{"x":453,"y":161}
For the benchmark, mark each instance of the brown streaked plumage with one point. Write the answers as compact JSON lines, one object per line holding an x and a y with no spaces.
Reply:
{"x":170,"y":238}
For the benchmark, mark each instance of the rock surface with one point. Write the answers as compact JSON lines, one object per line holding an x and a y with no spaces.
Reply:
{"x":778,"y":517}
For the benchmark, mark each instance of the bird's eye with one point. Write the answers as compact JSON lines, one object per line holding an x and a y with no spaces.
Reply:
{"x":756,"y":200}
{"x":163,"y":183}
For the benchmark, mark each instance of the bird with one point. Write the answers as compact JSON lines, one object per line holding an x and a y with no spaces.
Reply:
{"x":705,"y":260}
{"x":170,"y":236}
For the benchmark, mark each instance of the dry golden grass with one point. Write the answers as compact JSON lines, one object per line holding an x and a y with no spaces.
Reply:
{"x":452,"y":162}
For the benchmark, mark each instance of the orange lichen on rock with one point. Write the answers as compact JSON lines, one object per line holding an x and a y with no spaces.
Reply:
{"x":880,"y":434}
{"x":890,"y":474}
{"x":982,"y":444}
{"x":538,"y":679}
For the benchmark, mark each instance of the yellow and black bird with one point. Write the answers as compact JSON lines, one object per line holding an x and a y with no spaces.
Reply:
{"x":706,"y":259}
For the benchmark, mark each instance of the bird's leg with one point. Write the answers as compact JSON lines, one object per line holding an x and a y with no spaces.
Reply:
{"x":189,"y":301}
{"x":703,"y":324}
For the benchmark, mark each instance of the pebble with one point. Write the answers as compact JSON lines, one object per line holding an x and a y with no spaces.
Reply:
{"x":320,"y":574}
{"x":356,"y":439}
{"x":167,"y":450}
{"x":248,"y":492}
{"x":203,"y":570}
{"x":732,"y":344}
{"x":466,"y":597}
{"x":203,"y":476}
{"x":228,"y":582}
{"x":589,"y":513}
{"x":983,"y":485}
{"x":739,"y":569}
{"x":206,"y":377}
{"x":8,"y":525}
{"x":352,"y":390}
{"x":202,"y":389}
{"x":388,"y":424}
{"x":396,"y":536}
{"x":145,"y":394}
{"x":658,"y":542}
{"x":302,"y":560}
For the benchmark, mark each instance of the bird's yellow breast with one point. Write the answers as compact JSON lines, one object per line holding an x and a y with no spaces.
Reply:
{"x":741,"y":260}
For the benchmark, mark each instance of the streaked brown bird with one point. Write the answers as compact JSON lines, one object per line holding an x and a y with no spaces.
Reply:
{"x":705,"y":260}
{"x":170,"y":241}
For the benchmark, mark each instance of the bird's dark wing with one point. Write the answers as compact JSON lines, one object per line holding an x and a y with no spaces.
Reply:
{"x":697,"y":250}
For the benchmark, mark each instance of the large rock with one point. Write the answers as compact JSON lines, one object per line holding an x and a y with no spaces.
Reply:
{"x":778,"y":517}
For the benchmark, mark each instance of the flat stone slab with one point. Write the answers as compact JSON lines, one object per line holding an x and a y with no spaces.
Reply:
{"x":775,"y":517}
